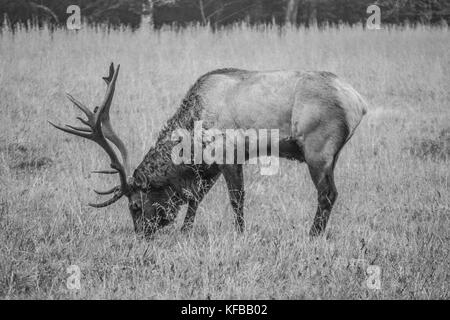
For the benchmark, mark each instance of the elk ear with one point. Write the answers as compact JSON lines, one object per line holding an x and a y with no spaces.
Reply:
{"x":140,"y":180}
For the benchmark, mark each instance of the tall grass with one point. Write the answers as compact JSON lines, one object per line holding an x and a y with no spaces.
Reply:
{"x":393,"y":208}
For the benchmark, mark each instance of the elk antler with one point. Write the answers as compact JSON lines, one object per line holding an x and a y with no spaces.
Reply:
{"x":98,"y":130}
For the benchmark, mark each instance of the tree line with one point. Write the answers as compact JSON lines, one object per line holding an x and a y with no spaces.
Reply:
{"x":219,"y":13}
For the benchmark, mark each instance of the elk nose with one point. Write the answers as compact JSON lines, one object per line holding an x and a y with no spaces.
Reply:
{"x":134,"y":206}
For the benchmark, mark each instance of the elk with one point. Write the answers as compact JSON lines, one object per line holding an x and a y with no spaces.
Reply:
{"x":315,"y":112}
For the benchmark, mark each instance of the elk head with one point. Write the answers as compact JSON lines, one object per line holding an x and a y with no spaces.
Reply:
{"x":147,"y":206}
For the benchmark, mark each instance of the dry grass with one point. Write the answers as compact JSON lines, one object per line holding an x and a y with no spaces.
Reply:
{"x":394,"y":204}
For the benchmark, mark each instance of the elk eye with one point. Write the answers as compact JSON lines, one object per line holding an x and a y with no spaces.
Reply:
{"x":140,"y":180}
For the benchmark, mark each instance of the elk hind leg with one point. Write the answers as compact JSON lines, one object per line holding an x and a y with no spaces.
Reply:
{"x":323,"y":178}
{"x":321,"y":153}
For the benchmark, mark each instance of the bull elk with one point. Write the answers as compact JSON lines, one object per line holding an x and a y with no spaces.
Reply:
{"x":316,"y":113}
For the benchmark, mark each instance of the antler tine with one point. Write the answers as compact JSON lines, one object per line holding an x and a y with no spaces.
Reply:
{"x":72,"y":131}
{"x":84,"y":121}
{"x":79,"y":128}
{"x":111,"y":81}
{"x":106,"y":171}
{"x":111,"y":74}
{"x":116,"y":197}
{"x":116,"y":188}
{"x":81,"y":106}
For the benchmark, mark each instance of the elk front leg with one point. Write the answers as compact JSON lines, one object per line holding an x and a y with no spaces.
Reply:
{"x":190,"y":214}
{"x":234,"y":177}
{"x":204,"y":185}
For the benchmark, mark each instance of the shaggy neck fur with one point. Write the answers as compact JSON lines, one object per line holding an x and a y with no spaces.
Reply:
{"x":157,"y":169}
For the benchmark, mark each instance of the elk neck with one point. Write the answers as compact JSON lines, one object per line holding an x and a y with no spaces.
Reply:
{"x":157,"y":169}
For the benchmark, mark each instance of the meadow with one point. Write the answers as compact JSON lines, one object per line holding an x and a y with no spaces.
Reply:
{"x":393,"y":177}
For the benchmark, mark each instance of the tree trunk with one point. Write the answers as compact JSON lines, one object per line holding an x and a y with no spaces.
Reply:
{"x":312,"y":21}
{"x":292,"y":11}
{"x":147,"y":14}
{"x":202,"y":11}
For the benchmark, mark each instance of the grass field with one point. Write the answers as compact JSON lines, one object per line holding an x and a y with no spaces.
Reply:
{"x":393,"y":178}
